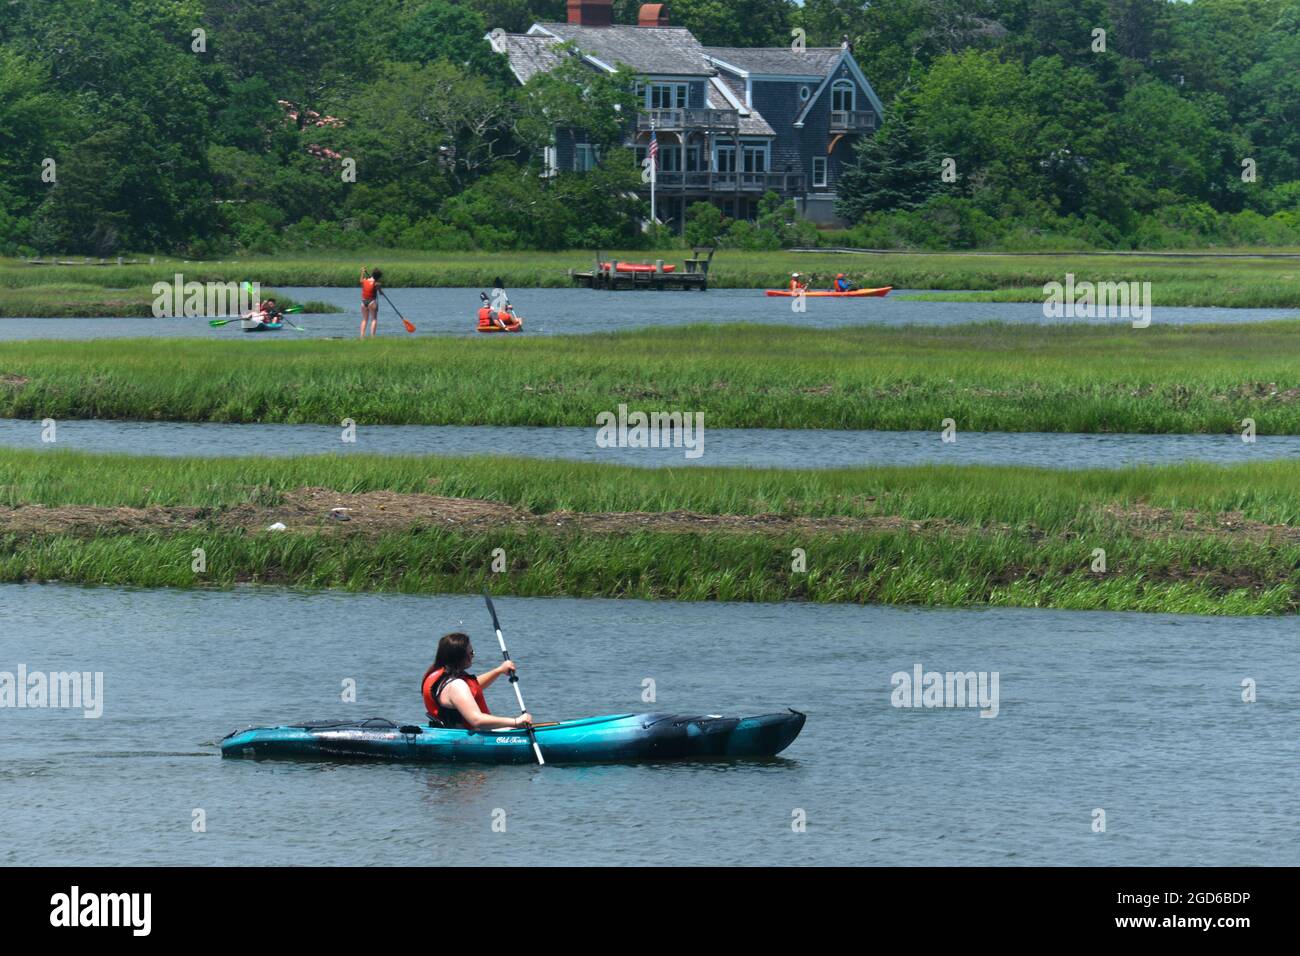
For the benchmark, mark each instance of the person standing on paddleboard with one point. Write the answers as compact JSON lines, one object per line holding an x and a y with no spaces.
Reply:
{"x":454,"y":698}
{"x":371,"y":286}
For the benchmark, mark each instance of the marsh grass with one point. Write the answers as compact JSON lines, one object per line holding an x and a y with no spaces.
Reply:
{"x":891,"y":568}
{"x":85,"y":300}
{"x":1049,"y":500}
{"x":987,"y":377}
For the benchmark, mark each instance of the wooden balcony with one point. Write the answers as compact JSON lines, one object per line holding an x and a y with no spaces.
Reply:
{"x":851,"y":121}
{"x":687,"y":119}
{"x":785,"y":184}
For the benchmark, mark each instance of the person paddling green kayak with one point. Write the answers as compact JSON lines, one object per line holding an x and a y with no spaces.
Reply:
{"x":454,"y":698}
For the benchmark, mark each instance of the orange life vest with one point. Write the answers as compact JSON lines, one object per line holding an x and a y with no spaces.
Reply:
{"x":485,"y":318}
{"x":431,"y":687}
{"x":367,"y":288}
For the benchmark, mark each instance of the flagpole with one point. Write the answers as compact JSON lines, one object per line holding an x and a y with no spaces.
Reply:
{"x":654,"y":169}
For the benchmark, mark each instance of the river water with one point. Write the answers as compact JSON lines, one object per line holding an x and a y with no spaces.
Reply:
{"x":752,"y":447}
{"x":568,"y":311}
{"x":1139,"y":716}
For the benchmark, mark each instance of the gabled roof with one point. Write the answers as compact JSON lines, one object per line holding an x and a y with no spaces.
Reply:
{"x":658,"y":51}
{"x":775,"y":61}
{"x":851,"y":66}
{"x":530,"y":55}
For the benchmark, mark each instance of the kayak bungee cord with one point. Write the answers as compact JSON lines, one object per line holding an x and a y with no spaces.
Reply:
{"x":514,"y":678}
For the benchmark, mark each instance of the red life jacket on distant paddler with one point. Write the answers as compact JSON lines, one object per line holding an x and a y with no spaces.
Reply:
{"x":432,"y":686}
{"x":367,"y":288}
{"x":485,"y":318}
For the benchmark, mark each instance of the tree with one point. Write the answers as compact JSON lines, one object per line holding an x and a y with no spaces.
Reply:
{"x":426,"y":122}
{"x":891,"y":170}
{"x":575,"y":95}
{"x":440,"y":31}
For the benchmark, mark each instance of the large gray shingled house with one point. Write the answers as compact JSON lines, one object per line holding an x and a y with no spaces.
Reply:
{"x":731,"y":122}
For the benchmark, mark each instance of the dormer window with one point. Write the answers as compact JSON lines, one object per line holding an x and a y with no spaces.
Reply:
{"x":665,"y":96}
{"x":842,"y":96}
{"x":804,"y":93}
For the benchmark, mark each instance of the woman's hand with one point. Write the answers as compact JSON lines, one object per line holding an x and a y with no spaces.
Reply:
{"x":524,"y":719}
{"x":507,"y":667}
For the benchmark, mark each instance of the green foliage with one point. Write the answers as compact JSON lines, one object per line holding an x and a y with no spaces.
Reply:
{"x":894,"y":169}
{"x":703,"y":224}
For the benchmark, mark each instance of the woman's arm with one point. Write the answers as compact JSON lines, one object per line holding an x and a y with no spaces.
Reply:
{"x":458,"y":694}
{"x":505,"y":667}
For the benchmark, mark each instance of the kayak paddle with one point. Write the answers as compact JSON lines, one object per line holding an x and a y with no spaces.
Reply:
{"x":410,"y":327}
{"x":514,"y":678}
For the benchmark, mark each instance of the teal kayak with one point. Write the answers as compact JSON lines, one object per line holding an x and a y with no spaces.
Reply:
{"x":617,"y":737}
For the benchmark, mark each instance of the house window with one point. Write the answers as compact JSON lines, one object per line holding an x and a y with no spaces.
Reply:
{"x":694,"y":163}
{"x":842,"y":96}
{"x":819,"y":171}
{"x":726,"y":161}
{"x":754,"y":157}
{"x":584,"y":157}
{"x":804,"y":93}
{"x":666,"y":96}
{"x":670,"y":159}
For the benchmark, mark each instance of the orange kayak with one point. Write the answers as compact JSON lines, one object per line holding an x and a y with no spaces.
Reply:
{"x":516,"y":326}
{"x":826,"y":293}
{"x":637,"y":267}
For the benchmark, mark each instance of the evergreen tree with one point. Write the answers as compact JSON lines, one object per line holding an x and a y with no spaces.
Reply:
{"x":892,"y":170}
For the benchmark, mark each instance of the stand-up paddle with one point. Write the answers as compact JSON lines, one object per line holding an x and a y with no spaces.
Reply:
{"x":410,"y":326}
{"x":514,"y":678}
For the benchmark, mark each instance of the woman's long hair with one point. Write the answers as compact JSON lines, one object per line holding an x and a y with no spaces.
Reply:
{"x":453,"y":654}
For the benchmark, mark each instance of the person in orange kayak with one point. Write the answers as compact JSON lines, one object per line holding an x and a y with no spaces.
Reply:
{"x":842,"y":283}
{"x":454,"y":698}
{"x":487,"y":318}
{"x":371,"y":286}
{"x":797,"y":284}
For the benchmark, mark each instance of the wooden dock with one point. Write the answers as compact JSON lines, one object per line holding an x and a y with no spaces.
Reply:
{"x":694,"y":275}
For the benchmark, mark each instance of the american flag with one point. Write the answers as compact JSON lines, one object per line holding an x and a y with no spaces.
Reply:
{"x":654,"y":150}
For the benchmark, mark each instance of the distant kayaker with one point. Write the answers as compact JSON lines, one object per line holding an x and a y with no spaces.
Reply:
{"x":499,"y":298}
{"x":488,"y":317}
{"x":371,"y":286}
{"x":842,"y":283}
{"x":797,"y":283}
{"x":454,"y":698}
{"x":271,"y":312}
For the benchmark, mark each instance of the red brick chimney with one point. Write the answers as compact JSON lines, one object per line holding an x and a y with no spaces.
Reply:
{"x":591,"y":13}
{"x":652,"y":15}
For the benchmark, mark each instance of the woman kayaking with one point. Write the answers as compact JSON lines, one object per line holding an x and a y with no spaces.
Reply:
{"x":454,"y":698}
{"x":371,"y":286}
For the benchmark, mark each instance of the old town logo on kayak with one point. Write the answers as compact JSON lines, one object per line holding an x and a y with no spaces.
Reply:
{"x":133,"y":910}
{"x":56,"y":690}
{"x":1098,"y":300}
{"x":653,"y":430}
{"x":180,"y":298}
{"x":923,"y":688}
